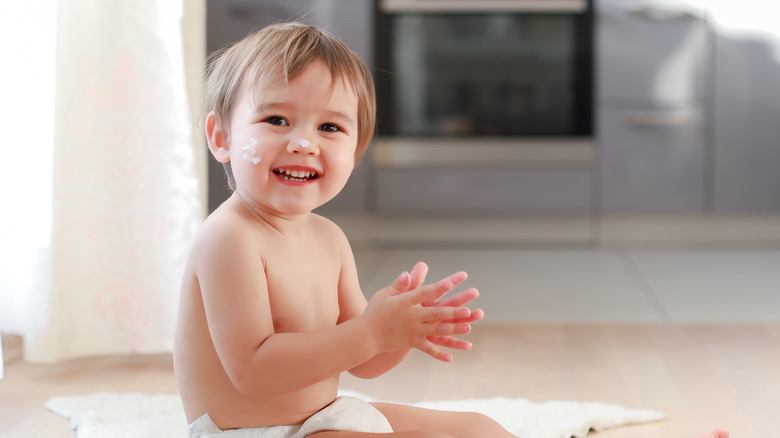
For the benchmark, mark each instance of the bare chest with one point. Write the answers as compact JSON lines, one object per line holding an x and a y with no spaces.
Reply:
{"x":303,"y":289}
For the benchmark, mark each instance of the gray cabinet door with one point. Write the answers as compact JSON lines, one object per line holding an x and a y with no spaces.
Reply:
{"x":652,"y":76}
{"x":651,"y":51}
{"x":746,"y":134}
{"x":651,"y":160}
{"x":484,"y":191}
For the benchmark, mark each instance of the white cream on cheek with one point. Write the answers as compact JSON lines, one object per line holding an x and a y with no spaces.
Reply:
{"x":249,"y":153}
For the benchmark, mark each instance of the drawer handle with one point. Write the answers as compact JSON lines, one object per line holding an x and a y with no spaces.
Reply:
{"x":662,"y":12}
{"x":482,"y":6}
{"x":652,"y":119}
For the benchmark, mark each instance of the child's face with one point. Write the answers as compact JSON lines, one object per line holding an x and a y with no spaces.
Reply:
{"x":293,"y":148}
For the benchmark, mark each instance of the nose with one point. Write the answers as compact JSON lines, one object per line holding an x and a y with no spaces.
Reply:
{"x":301,"y":145}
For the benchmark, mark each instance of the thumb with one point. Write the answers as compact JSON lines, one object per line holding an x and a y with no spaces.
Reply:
{"x":401,"y":284}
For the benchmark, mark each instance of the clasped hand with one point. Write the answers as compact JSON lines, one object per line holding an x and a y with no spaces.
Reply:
{"x":408,"y":314}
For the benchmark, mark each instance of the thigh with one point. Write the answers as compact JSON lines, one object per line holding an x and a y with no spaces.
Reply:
{"x":345,"y":434}
{"x":455,"y":424}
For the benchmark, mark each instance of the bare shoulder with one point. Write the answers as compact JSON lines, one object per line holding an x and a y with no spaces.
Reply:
{"x":328,"y":230}
{"x":225,"y":233}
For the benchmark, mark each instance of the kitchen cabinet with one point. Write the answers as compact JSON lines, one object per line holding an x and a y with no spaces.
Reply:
{"x":651,"y":52}
{"x":652,"y":92}
{"x":688,"y":109}
{"x":478,"y":191}
{"x":746,"y":127}
{"x":652,"y":160}
{"x":687,"y":119}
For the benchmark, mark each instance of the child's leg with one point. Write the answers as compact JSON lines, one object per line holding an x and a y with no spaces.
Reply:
{"x":453,"y":424}
{"x":345,"y":434}
{"x":715,"y":433}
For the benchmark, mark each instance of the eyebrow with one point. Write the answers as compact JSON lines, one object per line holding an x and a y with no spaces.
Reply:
{"x":269,"y":107}
{"x":340,"y":117}
{"x":337,"y":115}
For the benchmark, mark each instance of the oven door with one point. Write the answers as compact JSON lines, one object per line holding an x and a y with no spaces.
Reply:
{"x":484,"y":106}
{"x":489,"y":73}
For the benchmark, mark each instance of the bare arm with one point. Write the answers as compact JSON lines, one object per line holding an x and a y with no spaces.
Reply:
{"x":384,"y":362}
{"x":259,"y":361}
{"x":353,"y":304}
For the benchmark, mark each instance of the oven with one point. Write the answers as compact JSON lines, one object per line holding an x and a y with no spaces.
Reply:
{"x":499,"y":84}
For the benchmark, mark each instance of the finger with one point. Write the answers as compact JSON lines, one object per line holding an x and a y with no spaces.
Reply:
{"x":456,"y":279}
{"x":429,"y":292}
{"x":432,"y":292}
{"x":443,"y":314}
{"x":460,"y":298}
{"x":476,"y":315}
{"x":435,"y":352}
{"x":401,"y":284}
{"x":445,"y":329}
{"x":418,"y":274}
{"x":450,"y":342}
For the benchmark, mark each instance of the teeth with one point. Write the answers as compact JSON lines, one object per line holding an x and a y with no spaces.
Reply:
{"x":297,"y":174}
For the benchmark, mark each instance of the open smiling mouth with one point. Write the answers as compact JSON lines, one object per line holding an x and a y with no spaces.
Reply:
{"x":296,"y":175}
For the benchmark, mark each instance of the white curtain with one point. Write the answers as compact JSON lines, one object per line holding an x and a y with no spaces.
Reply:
{"x":100,"y":191}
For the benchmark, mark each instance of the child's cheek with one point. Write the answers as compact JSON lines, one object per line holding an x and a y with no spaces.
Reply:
{"x":249,"y":152}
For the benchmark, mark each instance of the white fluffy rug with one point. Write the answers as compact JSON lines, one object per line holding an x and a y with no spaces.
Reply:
{"x":134,"y":415}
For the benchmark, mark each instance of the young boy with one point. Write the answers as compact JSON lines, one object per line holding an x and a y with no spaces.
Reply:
{"x":271,"y":311}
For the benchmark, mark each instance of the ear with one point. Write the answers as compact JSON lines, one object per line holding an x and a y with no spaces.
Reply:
{"x":219,"y":145}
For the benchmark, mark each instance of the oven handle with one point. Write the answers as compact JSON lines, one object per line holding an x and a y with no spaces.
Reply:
{"x":471,"y":6}
{"x":664,"y":12}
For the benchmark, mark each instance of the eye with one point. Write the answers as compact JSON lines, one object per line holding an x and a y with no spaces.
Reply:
{"x":330,"y":127}
{"x":276,"y":120}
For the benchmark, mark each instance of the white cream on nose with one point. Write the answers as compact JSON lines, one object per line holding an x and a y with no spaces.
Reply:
{"x":302,"y":142}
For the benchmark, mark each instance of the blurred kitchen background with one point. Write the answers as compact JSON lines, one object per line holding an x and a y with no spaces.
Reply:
{"x":597,"y":161}
{"x":590,"y":115}
{"x":584,"y":160}
{"x":602,"y":163}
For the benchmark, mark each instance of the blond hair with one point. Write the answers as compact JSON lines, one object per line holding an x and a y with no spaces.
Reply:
{"x":282,"y":52}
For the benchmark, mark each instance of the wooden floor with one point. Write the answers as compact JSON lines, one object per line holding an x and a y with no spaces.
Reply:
{"x":700,"y":376}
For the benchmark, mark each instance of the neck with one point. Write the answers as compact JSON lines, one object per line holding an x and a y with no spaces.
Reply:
{"x":286,"y":224}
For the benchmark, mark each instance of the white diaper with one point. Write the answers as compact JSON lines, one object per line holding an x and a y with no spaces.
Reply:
{"x":346,"y":413}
